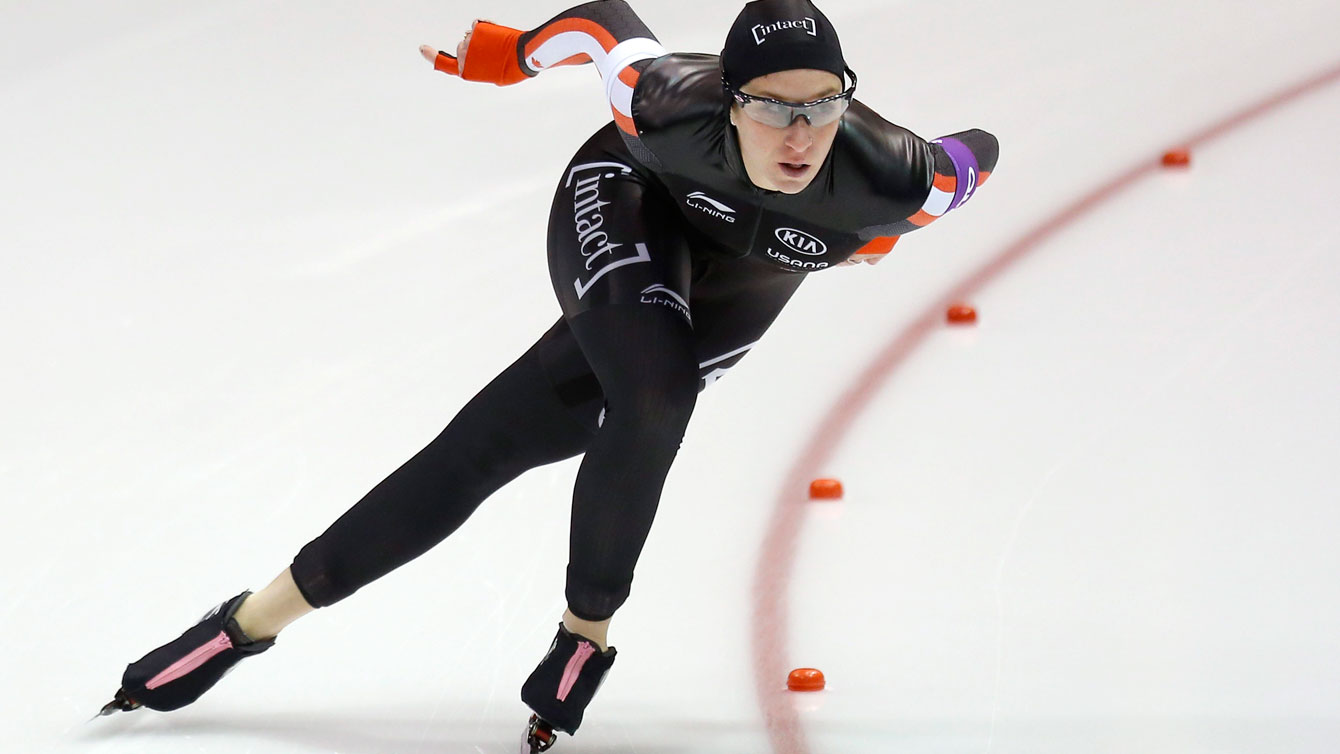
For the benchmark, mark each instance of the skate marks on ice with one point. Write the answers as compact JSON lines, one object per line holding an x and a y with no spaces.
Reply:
{"x":362,"y":731}
{"x":366,"y":731}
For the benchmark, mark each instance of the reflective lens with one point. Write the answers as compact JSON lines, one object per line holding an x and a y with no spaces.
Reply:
{"x":783,"y":114}
{"x":780,"y":114}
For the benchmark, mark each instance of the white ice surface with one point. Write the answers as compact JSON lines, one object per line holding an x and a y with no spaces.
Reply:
{"x":253,"y":255}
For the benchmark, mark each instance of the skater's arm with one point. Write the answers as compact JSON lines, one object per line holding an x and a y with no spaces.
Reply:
{"x":963,"y":162}
{"x":605,"y":32}
{"x":958,"y":165}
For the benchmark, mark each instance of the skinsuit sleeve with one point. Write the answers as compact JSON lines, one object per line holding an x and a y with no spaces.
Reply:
{"x":963,"y":162}
{"x":605,"y":32}
{"x":960,"y":164}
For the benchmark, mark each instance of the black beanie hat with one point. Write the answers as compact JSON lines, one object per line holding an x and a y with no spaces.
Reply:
{"x":780,"y":35}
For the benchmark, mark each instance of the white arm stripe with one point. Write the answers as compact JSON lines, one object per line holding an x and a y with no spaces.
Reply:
{"x":938,"y":202}
{"x":563,"y":46}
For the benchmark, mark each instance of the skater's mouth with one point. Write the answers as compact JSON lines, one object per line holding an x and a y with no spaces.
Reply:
{"x":794,"y":169}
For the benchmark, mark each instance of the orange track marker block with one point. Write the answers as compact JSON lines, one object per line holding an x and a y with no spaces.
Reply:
{"x":961,"y":314}
{"x":1177,"y":158}
{"x":806,"y":679}
{"x":825,"y":489}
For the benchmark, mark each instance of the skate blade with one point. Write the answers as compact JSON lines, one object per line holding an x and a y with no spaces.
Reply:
{"x":121,"y":703}
{"x":539,"y":736}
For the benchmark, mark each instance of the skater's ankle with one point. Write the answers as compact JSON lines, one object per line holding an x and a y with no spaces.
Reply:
{"x":252,"y":624}
{"x":264,"y":614}
{"x":596,"y":631}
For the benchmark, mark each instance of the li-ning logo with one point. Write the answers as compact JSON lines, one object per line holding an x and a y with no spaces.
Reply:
{"x":659,"y":294}
{"x":596,"y":246}
{"x":700,"y":201}
{"x":761,"y":31}
{"x":801,"y":241}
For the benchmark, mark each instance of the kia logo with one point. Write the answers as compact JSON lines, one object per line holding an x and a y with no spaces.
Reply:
{"x":802,"y":242}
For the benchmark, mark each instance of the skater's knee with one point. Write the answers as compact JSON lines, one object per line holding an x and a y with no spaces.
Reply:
{"x":656,"y":411}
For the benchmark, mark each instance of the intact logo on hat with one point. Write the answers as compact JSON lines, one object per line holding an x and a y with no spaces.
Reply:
{"x":761,"y":31}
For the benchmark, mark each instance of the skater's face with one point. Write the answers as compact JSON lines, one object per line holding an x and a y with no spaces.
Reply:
{"x":786,"y":159}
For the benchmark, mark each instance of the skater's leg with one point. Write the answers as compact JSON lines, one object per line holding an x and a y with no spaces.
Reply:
{"x":620,"y":267}
{"x":514,"y":424}
{"x":732,"y":305}
{"x":644,"y":359}
{"x":654,"y":383}
{"x":517,"y":422}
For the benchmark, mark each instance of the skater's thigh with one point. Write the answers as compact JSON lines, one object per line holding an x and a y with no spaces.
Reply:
{"x":734,"y":303}
{"x":615,"y":236}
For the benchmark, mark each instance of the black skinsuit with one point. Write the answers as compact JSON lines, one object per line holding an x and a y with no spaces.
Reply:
{"x":669,"y":265}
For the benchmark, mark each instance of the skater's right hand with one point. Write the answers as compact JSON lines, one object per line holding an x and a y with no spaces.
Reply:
{"x":444,"y":62}
{"x":495,"y":62}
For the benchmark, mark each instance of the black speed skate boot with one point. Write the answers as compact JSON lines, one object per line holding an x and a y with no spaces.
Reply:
{"x":561,"y":686}
{"x":177,"y":673}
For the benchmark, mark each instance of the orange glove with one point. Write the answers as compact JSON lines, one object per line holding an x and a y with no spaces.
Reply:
{"x":491,"y":56}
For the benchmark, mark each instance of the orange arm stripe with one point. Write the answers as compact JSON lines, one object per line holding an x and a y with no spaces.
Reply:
{"x":946,"y":183}
{"x":625,"y":123}
{"x":589,"y":28}
{"x":982,"y":176}
{"x":881,"y":245}
{"x":580,"y":58}
{"x":922,"y":218}
{"x":629,"y":76}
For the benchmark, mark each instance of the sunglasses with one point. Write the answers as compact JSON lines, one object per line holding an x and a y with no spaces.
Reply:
{"x":780,"y":114}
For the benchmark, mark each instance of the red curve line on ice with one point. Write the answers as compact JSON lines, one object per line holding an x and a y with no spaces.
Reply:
{"x":772,"y":574}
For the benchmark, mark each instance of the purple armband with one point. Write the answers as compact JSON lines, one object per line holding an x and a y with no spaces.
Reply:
{"x":965,"y":169}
